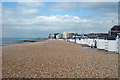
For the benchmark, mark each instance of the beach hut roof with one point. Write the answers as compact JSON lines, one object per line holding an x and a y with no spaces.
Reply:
{"x":111,"y":38}
{"x":107,"y":37}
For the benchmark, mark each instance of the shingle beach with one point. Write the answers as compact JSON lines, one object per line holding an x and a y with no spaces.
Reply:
{"x":57,"y":59}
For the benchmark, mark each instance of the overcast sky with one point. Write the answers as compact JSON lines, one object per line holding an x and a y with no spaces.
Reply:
{"x":38,"y":19}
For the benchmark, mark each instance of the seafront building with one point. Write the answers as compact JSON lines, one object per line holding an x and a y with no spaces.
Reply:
{"x":106,"y":41}
{"x":55,"y":36}
{"x":59,"y":36}
{"x":112,"y":34}
{"x":70,"y":35}
{"x":65,"y":35}
{"x":114,"y":30}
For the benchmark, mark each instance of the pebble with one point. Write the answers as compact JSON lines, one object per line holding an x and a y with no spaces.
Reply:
{"x":72,"y":64}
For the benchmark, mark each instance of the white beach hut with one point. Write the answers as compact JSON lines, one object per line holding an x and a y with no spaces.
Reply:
{"x":101,"y":43}
{"x":118,"y":43}
{"x":112,"y":45}
{"x":78,"y":41}
{"x":73,"y":40}
{"x":70,"y":40}
{"x":83,"y":41}
{"x":90,"y":42}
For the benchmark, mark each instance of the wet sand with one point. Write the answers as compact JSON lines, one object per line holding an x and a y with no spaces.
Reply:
{"x":57,"y":59}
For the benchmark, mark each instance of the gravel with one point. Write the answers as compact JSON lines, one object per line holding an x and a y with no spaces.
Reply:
{"x":57,"y":59}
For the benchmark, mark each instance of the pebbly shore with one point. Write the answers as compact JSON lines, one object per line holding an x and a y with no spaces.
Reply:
{"x":57,"y":59}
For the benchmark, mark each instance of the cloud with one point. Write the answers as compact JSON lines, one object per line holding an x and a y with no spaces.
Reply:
{"x":65,"y":6}
{"x":61,"y":0}
{"x":18,"y":12}
{"x":53,"y":19}
{"x":26,"y":19}
{"x":29,"y":11}
{"x":31,"y":4}
{"x":57,"y":22}
{"x":101,"y":8}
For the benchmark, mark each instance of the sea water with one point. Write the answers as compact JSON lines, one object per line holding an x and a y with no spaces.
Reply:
{"x":8,"y":41}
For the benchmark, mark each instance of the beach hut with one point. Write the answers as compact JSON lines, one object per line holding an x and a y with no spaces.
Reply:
{"x":90,"y":42}
{"x":78,"y":41}
{"x":84,"y":41}
{"x":73,"y":40}
{"x":118,"y":43}
{"x":111,"y":45}
{"x":101,"y":43}
{"x":70,"y":40}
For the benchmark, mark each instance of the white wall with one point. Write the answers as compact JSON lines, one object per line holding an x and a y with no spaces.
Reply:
{"x":108,"y":45}
{"x":90,"y":42}
{"x":112,"y":45}
{"x":118,"y":44}
{"x":78,"y":41}
{"x":101,"y":43}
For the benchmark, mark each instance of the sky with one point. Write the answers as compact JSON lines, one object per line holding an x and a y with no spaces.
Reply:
{"x":38,"y":19}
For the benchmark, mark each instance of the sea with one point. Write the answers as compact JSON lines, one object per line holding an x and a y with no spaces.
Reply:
{"x":8,"y":41}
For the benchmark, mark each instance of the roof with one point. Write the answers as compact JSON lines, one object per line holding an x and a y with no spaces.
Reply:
{"x":111,"y":38}
{"x":115,"y":27}
{"x":107,"y":37}
{"x":100,"y":35}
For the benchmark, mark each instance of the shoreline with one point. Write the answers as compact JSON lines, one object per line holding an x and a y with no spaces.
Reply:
{"x":25,"y":41}
{"x":34,"y":40}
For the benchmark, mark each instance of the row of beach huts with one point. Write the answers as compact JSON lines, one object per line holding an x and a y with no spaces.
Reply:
{"x":104,"y":41}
